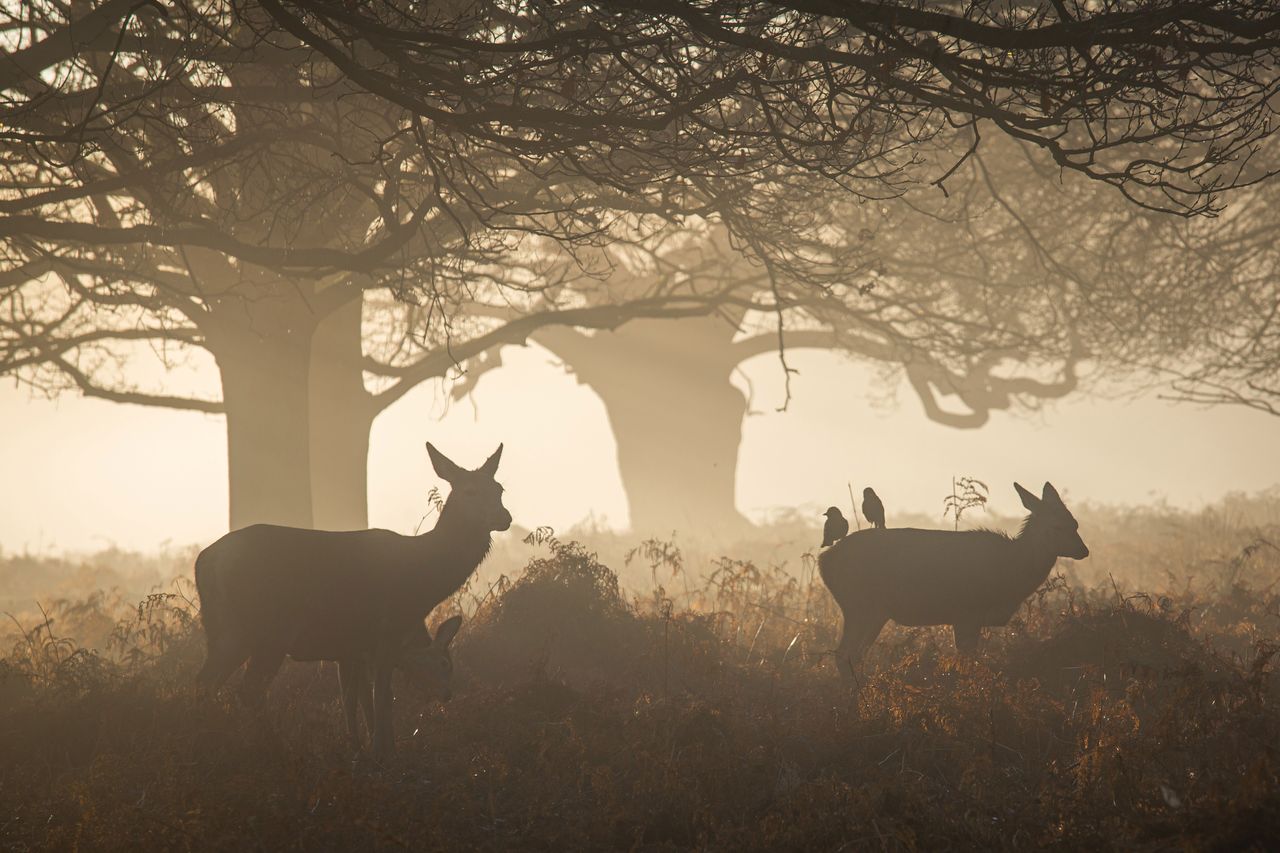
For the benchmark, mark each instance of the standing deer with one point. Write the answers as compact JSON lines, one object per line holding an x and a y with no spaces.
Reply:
{"x":966,"y":579}
{"x":355,"y":597}
{"x":427,"y":661}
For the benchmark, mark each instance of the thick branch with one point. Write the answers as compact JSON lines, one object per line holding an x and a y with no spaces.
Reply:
{"x":441,"y":360}
{"x":90,"y":389}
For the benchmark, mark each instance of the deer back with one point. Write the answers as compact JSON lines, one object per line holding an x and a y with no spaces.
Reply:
{"x":314,"y":592}
{"x":931,"y":577}
{"x":937,"y":577}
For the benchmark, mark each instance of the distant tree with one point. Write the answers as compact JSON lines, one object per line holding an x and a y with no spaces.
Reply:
{"x":1186,"y":305}
{"x":1240,"y":366}
{"x":677,"y":417}
{"x":1226,"y":349}
{"x":1022,"y":287}
{"x":621,"y":286}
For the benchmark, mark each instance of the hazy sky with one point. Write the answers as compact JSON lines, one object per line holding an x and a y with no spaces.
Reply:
{"x":84,"y":474}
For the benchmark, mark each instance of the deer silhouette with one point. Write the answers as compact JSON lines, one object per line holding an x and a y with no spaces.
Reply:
{"x":355,"y":597}
{"x":427,"y":661}
{"x":966,"y":579}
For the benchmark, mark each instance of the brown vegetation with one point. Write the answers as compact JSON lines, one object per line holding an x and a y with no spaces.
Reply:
{"x":707,"y":717}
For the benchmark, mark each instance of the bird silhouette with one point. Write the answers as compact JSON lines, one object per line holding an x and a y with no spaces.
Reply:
{"x":836,"y":528}
{"x":872,"y":508}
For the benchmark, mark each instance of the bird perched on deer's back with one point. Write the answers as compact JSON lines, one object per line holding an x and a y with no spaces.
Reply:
{"x":836,"y":528}
{"x":872,"y":508}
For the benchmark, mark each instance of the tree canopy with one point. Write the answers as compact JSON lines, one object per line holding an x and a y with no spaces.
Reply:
{"x":237,"y":175}
{"x":1166,"y":100}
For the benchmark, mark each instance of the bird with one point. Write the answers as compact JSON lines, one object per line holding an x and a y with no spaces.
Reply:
{"x":872,"y":508}
{"x":836,"y":528}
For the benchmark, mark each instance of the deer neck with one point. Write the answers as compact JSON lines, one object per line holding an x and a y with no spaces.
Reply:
{"x":451,"y":551}
{"x":1036,"y":553}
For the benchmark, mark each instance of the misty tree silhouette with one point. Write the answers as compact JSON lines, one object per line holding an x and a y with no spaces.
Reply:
{"x":227,"y":190}
{"x":236,"y":177}
{"x":987,"y":300}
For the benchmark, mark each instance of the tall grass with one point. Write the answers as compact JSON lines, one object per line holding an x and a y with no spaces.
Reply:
{"x":687,"y":701}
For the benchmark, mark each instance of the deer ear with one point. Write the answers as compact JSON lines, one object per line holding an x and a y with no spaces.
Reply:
{"x":447,"y":631}
{"x":445,"y":467}
{"x":1050,"y":495}
{"x":1030,"y":501}
{"x":490,"y":466}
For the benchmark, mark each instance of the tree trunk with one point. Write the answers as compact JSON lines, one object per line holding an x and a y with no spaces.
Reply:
{"x":265,"y":388}
{"x":678,"y":441}
{"x":676,"y":418}
{"x":341,"y":416}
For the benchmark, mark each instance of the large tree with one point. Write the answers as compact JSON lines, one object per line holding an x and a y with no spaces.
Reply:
{"x":239,"y":208}
{"x":677,"y":416}
{"x":204,"y":180}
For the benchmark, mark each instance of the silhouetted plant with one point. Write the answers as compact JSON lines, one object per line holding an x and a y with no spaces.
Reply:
{"x":966,"y":493}
{"x":435,"y":504}
{"x":660,"y":553}
{"x":584,"y":720}
{"x":542,"y":535}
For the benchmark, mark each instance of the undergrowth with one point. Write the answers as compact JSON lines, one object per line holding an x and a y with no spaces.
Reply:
{"x":702,"y":713}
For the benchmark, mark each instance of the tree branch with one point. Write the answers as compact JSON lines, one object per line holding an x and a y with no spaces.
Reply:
{"x":90,"y":389}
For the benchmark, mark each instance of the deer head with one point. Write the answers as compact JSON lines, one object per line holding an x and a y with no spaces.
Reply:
{"x":474,"y":495}
{"x":1052,"y":523}
{"x":430,"y":667}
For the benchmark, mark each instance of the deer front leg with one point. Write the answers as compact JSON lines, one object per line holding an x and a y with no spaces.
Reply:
{"x":384,"y":742}
{"x":967,"y":637}
{"x":861,"y":628}
{"x":366,"y":700}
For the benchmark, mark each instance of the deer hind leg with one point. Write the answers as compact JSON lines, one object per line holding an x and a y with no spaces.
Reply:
{"x":264,"y":663}
{"x":967,"y":637}
{"x":354,"y":680}
{"x":225,"y":655}
{"x":384,"y":739}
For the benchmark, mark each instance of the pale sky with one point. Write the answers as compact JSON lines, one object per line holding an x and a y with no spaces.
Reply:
{"x":83,"y":474}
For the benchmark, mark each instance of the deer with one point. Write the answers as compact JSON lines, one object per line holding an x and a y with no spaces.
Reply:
{"x":356,"y":597}
{"x":967,"y":579}
{"x":426,"y":660}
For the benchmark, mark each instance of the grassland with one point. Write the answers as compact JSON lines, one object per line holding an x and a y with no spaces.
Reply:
{"x":680,"y":700}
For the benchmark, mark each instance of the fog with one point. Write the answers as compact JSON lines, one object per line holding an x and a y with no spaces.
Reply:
{"x":92,"y":474}
{"x":504,"y":425}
